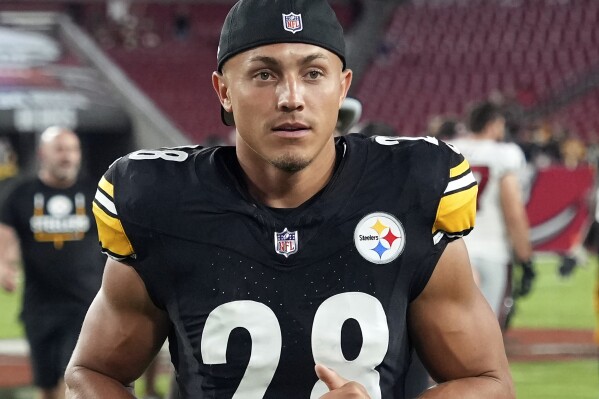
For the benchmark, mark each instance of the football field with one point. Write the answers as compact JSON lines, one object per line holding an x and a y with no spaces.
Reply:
{"x":560,"y":310}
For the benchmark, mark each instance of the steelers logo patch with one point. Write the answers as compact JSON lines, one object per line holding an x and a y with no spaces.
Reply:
{"x":380,"y":238}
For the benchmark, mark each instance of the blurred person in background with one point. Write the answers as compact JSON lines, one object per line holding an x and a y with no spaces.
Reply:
{"x":46,"y":225}
{"x":447,"y":128}
{"x":502,"y":230}
{"x":573,"y":154}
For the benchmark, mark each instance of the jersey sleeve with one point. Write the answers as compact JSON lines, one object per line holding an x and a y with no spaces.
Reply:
{"x":457,"y":208}
{"x":113,"y":239}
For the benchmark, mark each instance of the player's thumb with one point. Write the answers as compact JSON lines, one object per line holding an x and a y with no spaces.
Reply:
{"x":331,"y":379}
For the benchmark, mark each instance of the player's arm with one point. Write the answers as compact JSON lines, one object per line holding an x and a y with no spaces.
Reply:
{"x":514,"y":213}
{"x":457,"y":334}
{"x":122,"y":332}
{"x":10,"y":250}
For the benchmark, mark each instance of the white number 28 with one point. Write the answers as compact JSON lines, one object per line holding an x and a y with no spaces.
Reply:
{"x":264,"y":329}
{"x":170,"y":154}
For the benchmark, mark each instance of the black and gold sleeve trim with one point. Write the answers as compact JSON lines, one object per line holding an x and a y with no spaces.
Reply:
{"x":457,"y":208}
{"x":113,"y":239}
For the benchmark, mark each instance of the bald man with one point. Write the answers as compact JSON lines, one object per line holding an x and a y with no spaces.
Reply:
{"x":46,"y":226}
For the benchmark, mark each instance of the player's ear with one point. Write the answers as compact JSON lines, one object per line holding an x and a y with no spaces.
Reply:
{"x":219,"y":83}
{"x":346,"y":79}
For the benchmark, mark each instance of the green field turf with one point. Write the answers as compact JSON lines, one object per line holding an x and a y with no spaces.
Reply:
{"x":9,"y":312}
{"x":558,"y":302}
{"x":557,"y":380}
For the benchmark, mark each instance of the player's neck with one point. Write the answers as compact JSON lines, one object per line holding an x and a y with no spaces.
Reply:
{"x":276,"y":188}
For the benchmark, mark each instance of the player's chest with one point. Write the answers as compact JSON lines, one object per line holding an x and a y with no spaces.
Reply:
{"x":295,"y":268}
{"x":275,"y":322}
{"x":373,"y":231}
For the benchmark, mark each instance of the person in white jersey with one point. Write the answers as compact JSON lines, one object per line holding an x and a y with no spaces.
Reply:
{"x":502,"y":230}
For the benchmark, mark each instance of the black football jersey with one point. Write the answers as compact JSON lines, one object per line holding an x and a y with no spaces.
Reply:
{"x":257,"y":295}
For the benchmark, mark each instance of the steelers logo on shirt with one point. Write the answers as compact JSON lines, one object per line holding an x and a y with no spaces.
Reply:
{"x":380,"y":238}
{"x":59,"y":206}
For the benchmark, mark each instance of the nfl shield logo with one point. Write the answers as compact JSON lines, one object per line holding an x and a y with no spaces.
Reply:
{"x":292,"y":22}
{"x":286,"y":242}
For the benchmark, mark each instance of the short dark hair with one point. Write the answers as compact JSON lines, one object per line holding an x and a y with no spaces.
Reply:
{"x":482,"y":114}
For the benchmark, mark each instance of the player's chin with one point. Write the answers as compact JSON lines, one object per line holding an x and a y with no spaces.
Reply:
{"x":291,"y":163}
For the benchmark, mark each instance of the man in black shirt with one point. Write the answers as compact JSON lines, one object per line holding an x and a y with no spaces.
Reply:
{"x":47,"y":225}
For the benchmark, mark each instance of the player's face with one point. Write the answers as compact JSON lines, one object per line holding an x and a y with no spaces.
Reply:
{"x":285,"y":98}
{"x":61,"y":157}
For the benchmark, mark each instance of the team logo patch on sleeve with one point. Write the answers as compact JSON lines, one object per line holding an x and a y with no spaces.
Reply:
{"x":286,"y":242}
{"x":380,"y":238}
{"x":292,"y":22}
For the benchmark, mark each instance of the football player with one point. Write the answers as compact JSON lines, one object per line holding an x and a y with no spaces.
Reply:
{"x":293,"y":264}
{"x":502,"y":224}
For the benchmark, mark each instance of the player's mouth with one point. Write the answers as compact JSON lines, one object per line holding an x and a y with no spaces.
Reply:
{"x":291,"y":130}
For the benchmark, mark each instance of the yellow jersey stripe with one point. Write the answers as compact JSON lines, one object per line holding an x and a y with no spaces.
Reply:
{"x":457,"y":211}
{"x":106,"y":186}
{"x":458,"y":170}
{"x":111,"y":233}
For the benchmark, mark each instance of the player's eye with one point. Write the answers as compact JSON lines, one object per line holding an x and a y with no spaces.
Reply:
{"x":264,"y":75}
{"x":314,"y":74}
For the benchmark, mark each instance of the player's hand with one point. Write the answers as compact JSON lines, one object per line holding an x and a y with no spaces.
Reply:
{"x":8,"y":277}
{"x":338,"y":386}
{"x":527,"y":279}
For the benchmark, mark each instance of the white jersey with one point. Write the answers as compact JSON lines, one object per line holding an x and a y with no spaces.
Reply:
{"x":490,"y":161}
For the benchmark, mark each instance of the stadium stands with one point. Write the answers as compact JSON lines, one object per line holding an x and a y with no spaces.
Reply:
{"x":580,"y":117}
{"x":438,"y":57}
{"x":175,"y":73}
